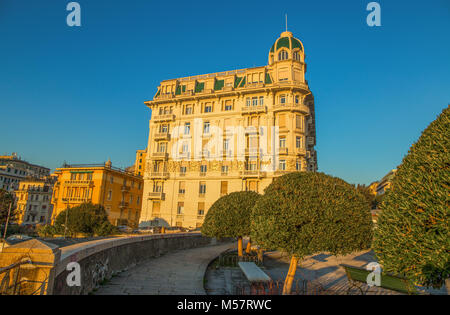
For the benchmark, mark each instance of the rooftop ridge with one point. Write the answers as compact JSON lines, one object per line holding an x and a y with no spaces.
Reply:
{"x":212,"y":74}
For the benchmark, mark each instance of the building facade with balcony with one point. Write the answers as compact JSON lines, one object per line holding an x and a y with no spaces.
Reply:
{"x":228,"y":131}
{"x":119,"y":191}
{"x":13,"y":170}
{"x":34,"y":201}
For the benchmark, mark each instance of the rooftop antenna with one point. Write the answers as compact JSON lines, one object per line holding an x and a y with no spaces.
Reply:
{"x":286,"y":23}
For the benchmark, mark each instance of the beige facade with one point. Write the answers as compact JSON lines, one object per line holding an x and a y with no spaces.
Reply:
{"x":33,"y":199}
{"x":229,"y":131}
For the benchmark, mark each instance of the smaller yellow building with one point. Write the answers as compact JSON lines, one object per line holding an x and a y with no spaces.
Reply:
{"x":119,"y":191}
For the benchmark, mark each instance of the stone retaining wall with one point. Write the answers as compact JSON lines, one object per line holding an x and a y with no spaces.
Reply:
{"x":101,"y":260}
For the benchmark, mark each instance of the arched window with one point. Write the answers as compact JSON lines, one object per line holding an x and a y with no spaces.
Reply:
{"x":282,"y":55}
{"x":296,"y":56}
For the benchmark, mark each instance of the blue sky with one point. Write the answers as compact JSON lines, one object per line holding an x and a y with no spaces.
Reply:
{"x":76,"y":94}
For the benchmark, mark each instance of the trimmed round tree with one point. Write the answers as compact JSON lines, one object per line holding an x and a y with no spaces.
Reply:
{"x":413,"y":236}
{"x":86,"y":218}
{"x":230,"y":215}
{"x":302,"y":214}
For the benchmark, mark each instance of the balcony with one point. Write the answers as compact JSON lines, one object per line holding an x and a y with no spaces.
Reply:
{"x":123,"y":204}
{"x":291,"y":107}
{"x":164,"y":96}
{"x":282,"y":151}
{"x":300,"y":151}
{"x":162,"y":136}
{"x":160,"y":155}
{"x":253,"y":109}
{"x":204,"y":154}
{"x":255,"y":85}
{"x":252,"y":174}
{"x":282,"y":172}
{"x":203,"y":174}
{"x":162,"y":118}
{"x":251,"y":151}
{"x":76,"y":199}
{"x":159,"y":175}
{"x":159,"y":195}
{"x":125,"y":189}
{"x":79,"y":182}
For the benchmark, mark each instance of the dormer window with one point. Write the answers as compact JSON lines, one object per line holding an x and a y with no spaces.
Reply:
{"x":296,"y":56}
{"x":282,"y":55}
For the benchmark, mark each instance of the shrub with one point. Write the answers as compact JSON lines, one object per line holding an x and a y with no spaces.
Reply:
{"x":86,"y":218}
{"x":307,"y":213}
{"x":412,"y":237}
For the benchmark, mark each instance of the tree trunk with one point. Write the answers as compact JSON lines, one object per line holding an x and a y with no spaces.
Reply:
{"x":260,"y":255}
{"x":240,"y":246}
{"x":248,"y":249}
{"x":290,"y":276}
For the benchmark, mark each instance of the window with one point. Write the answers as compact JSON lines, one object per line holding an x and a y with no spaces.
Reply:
{"x":224,"y":169}
{"x":254,"y":101}
{"x":252,"y":186}
{"x":203,"y":168}
{"x":201,"y":208}
{"x":282,"y":165}
{"x":188,"y":110}
{"x":228,"y":105}
{"x":282,"y":55}
{"x":185,"y":147}
{"x":73,"y":176}
{"x":226,"y":144}
{"x":206,"y":127}
{"x":282,"y":99}
{"x":187,"y":128}
{"x":296,"y":56}
{"x":202,"y":188}
{"x":164,"y":128}
{"x":208,"y":108}
{"x":89,"y":176}
{"x":223,"y":188}
{"x":247,"y":101}
{"x":162,"y":147}
{"x":182,"y":188}
{"x":112,"y":179}
{"x":298,"y":142}
{"x":180,"y":208}
{"x":297,"y":99}
{"x":298,"y":165}
{"x":183,"y":170}
{"x":138,"y":200}
{"x":261,"y":100}
{"x":299,"y":122}
{"x":282,"y":142}
{"x":157,"y":187}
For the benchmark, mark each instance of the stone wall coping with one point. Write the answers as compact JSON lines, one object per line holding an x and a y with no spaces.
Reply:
{"x":78,"y":252}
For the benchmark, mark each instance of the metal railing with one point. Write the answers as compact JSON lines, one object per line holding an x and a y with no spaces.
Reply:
{"x":14,"y":282}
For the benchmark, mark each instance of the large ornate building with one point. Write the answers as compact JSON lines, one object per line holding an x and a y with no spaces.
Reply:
{"x":229,"y":131}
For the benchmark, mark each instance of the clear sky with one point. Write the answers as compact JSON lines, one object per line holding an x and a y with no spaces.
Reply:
{"x":76,"y":94}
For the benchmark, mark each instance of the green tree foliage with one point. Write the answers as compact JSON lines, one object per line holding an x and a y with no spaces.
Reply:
{"x":86,"y":218}
{"x":307,"y":213}
{"x":6,"y":198}
{"x":413,"y":237}
{"x":229,"y":216}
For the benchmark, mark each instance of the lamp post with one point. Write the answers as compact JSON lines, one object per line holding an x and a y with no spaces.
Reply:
{"x":6,"y":226}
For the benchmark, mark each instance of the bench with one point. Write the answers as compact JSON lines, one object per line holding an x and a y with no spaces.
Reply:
{"x":357,"y":277}
{"x":253,"y":273}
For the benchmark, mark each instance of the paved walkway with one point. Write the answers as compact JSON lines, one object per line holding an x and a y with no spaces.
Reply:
{"x":177,"y":272}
